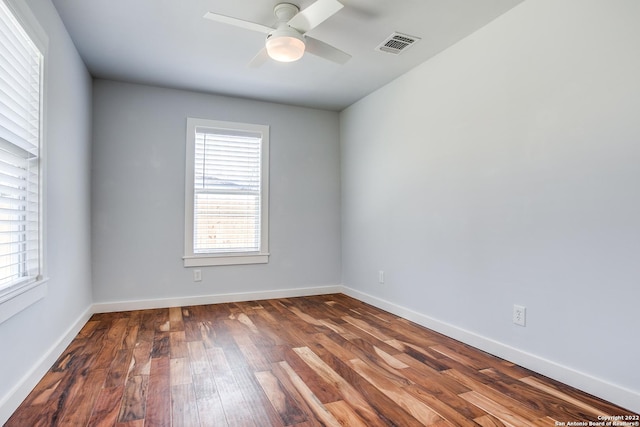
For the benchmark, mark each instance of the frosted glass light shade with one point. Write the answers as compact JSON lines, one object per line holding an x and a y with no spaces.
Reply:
{"x":285,"y":48}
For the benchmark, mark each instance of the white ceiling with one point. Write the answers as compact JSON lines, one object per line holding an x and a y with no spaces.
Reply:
{"x":168,"y":43}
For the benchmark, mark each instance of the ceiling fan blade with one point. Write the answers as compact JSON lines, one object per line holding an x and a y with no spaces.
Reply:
{"x":260,"y":58}
{"x":326,"y":51}
{"x":248,"y":25}
{"x":314,"y":15}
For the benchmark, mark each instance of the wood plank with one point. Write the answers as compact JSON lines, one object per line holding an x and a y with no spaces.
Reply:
{"x":476,"y":363}
{"x":211,"y":412}
{"x":175,"y":319}
{"x":184,"y":411}
{"x":320,"y":411}
{"x":435,"y":402}
{"x":198,"y":359}
{"x":107,"y":407}
{"x":259,"y":406}
{"x":158,"y":408}
{"x":406,"y":401}
{"x":117,"y":374}
{"x":345,"y":414}
{"x":251,"y":353}
{"x":192,"y":330}
{"x":81,"y":406}
{"x":534,"y":382}
{"x":491,"y":421}
{"x":423,"y":375}
{"x":89,"y":328}
{"x":338,"y":329}
{"x":55,"y":390}
{"x":111,"y":344}
{"x":439,"y":392}
{"x":366,"y":327}
{"x":497,"y":410}
{"x":346,"y":390}
{"x":280,"y":399}
{"x":380,"y":367}
{"x":324,"y":391}
{"x":160,"y":345}
{"x":180,"y":371}
{"x":130,"y":337}
{"x":375,"y":407}
{"x":141,"y":359}
{"x":536,"y":398}
{"x":391,"y":361}
{"x":488,"y":392}
{"x":233,"y":401}
{"x":246,"y":321}
{"x":204,"y":386}
{"x":268,"y":326}
{"x":178,"y":345}
{"x":134,"y":400}
{"x":74,"y":383}
{"x":387,"y":410}
{"x":45,"y":389}
{"x":287,"y":384}
{"x":424,"y":355}
{"x":133,"y":423}
{"x":368,"y":348}
{"x":207,"y":333}
{"x":117,"y":331}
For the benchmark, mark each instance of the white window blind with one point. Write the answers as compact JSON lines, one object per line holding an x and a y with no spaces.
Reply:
{"x":20,"y":100}
{"x":227,"y":191}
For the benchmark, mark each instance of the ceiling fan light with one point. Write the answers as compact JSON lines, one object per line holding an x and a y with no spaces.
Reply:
{"x":285,"y":48}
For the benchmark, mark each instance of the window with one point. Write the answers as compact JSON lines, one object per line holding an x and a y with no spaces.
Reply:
{"x":226,"y":204}
{"x":21,"y":71}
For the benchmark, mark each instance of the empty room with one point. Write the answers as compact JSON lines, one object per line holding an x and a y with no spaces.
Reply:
{"x":319,"y":213}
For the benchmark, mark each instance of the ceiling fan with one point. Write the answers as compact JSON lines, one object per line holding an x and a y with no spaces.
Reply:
{"x":288,"y":41}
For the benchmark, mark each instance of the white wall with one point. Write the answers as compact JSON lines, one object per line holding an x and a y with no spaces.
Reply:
{"x":506,"y":170}
{"x":138,"y":195}
{"x":34,"y":334}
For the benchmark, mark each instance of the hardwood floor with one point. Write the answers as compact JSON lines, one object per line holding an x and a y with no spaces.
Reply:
{"x":313,"y":361}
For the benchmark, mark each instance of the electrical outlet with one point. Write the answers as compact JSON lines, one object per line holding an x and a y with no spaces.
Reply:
{"x":197,"y":275}
{"x":380,"y":276}
{"x":519,"y":315}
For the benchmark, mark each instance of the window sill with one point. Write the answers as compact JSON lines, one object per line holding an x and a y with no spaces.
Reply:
{"x":17,"y":298}
{"x":226,"y":259}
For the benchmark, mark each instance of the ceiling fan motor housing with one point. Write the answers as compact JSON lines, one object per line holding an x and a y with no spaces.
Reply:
{"x":285,"y":11}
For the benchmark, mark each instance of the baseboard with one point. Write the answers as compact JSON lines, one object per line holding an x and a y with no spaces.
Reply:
{"x":10,"y":402}
{"x":621,"y":396}
{"x":107,"y":307}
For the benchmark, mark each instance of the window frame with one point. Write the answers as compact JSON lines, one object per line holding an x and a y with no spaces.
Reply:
{"x":192,"y":259}
{"x":18,"y":296}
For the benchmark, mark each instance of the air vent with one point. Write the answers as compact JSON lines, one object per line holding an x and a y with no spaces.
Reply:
{"x":397,"y":43}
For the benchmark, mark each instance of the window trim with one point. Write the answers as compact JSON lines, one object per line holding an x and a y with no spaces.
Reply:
{"x":21,"y":295}
{"x":192,"y":259}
